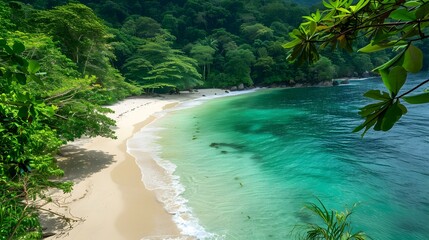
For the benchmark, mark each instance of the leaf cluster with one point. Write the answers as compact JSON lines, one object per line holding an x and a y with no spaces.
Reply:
{"x":388,"y":24}
{"x":33,"y":126}
{"x":335,"y":225}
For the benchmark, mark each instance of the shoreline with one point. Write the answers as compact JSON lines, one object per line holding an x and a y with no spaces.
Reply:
{"x":109,"y":199}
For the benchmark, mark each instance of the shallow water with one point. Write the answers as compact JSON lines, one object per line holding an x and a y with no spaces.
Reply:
{"x":243,"y":167}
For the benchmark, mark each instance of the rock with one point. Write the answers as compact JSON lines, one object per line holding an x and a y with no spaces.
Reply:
{"x":346,"y":81}
{"x":226,"y":91}
{"x":325,"y":84}
{"x":241,"y":86}
{"x":234,"y":88}
{"x":366,"y":74}
{"x":335,"y":83}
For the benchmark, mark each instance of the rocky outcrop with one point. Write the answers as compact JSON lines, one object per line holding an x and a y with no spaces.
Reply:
{"x":241,"y":86}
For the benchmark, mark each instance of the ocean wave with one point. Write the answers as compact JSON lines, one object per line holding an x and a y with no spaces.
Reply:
{"x":158,"y":176}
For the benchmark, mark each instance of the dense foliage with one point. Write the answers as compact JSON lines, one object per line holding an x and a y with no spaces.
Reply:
{"x":233,"y":42}
{"x":389,"y":24}
{"x":47,"y":97}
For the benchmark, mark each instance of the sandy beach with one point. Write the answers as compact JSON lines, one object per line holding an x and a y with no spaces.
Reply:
{"x":109,"y":200}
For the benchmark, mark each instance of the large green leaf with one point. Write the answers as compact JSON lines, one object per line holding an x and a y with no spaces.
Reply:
{"x":393,"y":113}
{"x":422,"y":11}
{"x":417,"y":99}
{"x":33,"y":66}
{"x":377,"y":47}
{"x":18,"y":47}
{"x":397,"y":60}
{"x":412,"y":3}
{"x":413,"y":59}
{"x":397,"y":78}
{"x":377,"y":95}
{"x":292,"y":44}
{"x":402,"y":14}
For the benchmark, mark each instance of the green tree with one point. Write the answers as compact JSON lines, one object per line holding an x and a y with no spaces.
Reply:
{"x":83,"y":38}
{"x":256,"y":31}
{"x":142,"y":27}
{"x":37,"y":116}
{"x":204,"y":56}
{"x":389,"y":24}
{"x":27,"y":145}
{"x":157,"y":65}
{"x":5,"y":16}
{"x":322,"y":70}
{"x":77,"y":29}
{"x":238,"y":66}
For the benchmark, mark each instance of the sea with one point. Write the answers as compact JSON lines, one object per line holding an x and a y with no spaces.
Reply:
{"x":245,"y":166}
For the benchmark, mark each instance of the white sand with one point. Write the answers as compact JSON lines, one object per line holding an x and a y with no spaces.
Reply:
{"x":108,"y":195}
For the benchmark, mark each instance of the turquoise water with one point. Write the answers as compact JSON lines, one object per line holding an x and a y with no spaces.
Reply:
{"x":243,"y":167}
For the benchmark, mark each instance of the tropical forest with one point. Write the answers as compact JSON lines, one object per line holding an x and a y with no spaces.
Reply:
{"x":64,"y":63}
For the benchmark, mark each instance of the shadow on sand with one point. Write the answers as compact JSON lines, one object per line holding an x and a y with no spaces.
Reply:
{"x":79,"y":163}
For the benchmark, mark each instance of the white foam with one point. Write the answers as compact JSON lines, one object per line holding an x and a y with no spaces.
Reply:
{"x":161,"y":180}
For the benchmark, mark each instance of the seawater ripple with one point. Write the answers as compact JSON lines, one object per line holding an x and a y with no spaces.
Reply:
{"x":248,"y":164}
{"x":158,"y":174}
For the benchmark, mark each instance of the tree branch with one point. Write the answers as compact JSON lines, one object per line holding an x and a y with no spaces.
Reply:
{"x":413,"y":89}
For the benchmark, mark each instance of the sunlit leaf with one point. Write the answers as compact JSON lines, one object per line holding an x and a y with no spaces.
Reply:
{"x":413,"y":59}
{"x":412,"y":3}
{"x":378,"y":47}
{"x":313,"y":26}
{"x":292,"y":44}
{"x":384,"y":73}
{"x":33,"y":66}
{"x":397,"y":60}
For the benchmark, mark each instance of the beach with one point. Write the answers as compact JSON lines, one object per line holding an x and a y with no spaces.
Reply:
{"x":109,"y":199}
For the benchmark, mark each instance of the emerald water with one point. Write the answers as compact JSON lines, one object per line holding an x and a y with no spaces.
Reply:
{"x":243,"y":167}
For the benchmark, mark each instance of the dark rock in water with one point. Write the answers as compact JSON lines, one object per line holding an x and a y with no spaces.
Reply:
{"x":226,"y":91}
{"x":204,"y":95}
{"x":215,"y":145}
{"x":346,"y":81}
{"x":224,"y":152}
{"x":366,"y":74}
{"x":335,"y":83}
{"x":230,"y":145}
